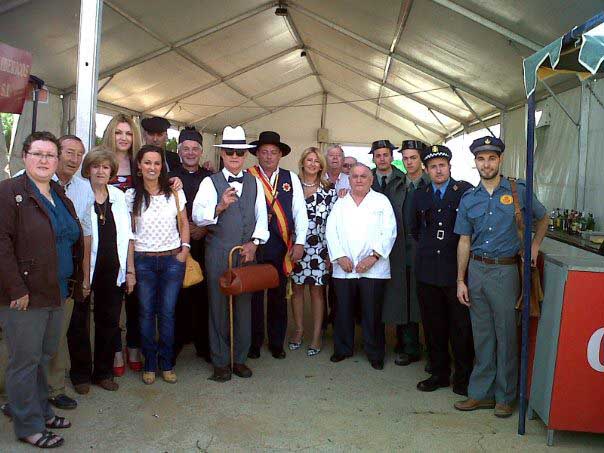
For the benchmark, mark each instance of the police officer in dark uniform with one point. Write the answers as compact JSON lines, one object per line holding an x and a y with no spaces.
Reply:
{"x":444,"y":318}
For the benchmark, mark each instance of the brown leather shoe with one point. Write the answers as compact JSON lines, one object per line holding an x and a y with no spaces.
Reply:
{"x":471,"y":404}
{"x":107,"y":384}
{"x":221,"y":374}
{"x":82,"y":389}
{"x":241,"y":370}
{"x":503,"y":410}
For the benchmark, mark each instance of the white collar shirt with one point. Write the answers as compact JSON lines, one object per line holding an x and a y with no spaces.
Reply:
{"x":358,"y":231}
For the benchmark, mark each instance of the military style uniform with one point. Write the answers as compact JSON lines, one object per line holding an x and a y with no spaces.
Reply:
{"x":493,"y":281}
{"x":443,"y":317}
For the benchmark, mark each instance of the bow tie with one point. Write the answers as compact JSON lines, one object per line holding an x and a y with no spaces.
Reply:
{"x":233,"y":179}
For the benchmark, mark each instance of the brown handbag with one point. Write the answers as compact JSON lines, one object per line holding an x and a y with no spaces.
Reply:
{"x":247,"y":279}
{"x":536,"y":295}
{"x":193,"y":272}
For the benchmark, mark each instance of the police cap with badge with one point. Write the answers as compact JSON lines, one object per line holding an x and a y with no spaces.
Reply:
{"x":487,"y":143}
{"x":413,"y":144}
{"x":436,"y":151}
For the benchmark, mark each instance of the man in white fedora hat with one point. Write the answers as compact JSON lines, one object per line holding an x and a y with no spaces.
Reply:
{"x":231,"y":203}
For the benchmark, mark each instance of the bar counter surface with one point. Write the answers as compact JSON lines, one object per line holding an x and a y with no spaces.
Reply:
{"x":567,"y":382}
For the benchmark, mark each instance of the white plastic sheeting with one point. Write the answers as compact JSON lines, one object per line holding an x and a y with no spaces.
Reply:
{"x":557,"y":152}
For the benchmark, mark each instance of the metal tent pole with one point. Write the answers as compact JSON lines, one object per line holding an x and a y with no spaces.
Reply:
{"x":91,"y":13}
{"x":526,"y":269}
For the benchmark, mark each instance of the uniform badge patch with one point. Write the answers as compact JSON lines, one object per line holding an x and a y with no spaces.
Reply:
{"x":286,"y":187}
{"x":506,"y":199}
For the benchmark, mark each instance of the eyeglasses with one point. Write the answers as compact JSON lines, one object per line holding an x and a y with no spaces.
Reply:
{"x":347,"y":165}
{"x":239,"y":152}
{"x":40,"y":156}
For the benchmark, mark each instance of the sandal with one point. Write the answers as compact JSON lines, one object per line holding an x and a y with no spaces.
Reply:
{"x":5,"y":408}
{"x":312,"y":351}
{"x":46,"y":440}
{"x":58,"y":423}
{"x":292,"y":345}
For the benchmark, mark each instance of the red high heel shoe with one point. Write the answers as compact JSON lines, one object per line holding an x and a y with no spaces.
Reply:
{"x":134,"y":366}
{"x":119,"y":371}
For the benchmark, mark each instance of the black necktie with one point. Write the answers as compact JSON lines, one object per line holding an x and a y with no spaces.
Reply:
{"x":233,"y":179}
{"x":383,"y":185}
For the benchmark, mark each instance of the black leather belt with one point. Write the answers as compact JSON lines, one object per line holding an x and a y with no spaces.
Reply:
{"x":503,"y":260}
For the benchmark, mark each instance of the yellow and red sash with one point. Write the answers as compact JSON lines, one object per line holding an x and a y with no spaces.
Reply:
{"x":274,"y":205}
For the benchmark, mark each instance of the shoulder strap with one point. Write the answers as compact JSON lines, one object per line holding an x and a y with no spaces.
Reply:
{"x":517,"y":210}
{"x":178,"y":214}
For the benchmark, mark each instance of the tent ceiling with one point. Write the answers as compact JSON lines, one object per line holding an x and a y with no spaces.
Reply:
{"x":215,"y":63}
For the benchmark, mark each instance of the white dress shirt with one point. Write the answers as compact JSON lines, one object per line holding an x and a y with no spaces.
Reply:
{"x":123,"y":232}
{"x":298,"y":205}
{"x":357,"y":231}
{"x":342,"y":182}
{"x":204,"y":205}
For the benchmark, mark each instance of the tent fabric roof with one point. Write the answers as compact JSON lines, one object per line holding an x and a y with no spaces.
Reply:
{"x":427,"y":67}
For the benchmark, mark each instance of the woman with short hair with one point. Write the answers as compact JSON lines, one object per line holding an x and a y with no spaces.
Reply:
{"x":312,"y":269}
{"x":161,"y":246}
{"x":111,"y":263}
{"x":41,"y":252}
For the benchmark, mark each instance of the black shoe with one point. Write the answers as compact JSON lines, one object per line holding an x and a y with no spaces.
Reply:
{"x":377,"y":364}
{"x":335,"y":358}
{"x":221,"y":374}
{"x":239,"y":369}
{"x":460,"y":389}
{"x":278,"y":353}
{"x":432,"y":383}
{"x":62,"y":401}
{"x":405,"y":359}
{"x":5,"y":408}
{"x":254,"y":353}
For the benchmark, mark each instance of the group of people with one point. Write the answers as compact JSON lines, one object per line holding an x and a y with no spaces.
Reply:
{"x":373,"y":246}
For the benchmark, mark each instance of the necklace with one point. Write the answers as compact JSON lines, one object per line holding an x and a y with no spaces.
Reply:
{"x":101,"y":210}
{"x":305,"y":184}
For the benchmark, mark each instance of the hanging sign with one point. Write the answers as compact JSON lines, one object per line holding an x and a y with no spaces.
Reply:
{"x":15,"y":66}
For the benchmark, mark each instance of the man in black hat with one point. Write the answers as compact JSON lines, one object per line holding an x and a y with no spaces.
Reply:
{"x":155,"y":132}
{"x":287,"y":223}
{"x":390,"y":181}
{"x":407,"y":332}
{"x":434,"y":210}
{"x":191,"y":318}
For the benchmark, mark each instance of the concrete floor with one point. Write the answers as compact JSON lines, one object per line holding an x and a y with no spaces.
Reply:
{"x":299,"y":403}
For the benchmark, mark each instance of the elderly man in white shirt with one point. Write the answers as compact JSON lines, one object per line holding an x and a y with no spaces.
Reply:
{"x":231,"y":204}
{"x":361,"y":231}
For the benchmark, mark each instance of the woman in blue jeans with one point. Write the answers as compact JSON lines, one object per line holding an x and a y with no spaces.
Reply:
{"x":161,"y":246}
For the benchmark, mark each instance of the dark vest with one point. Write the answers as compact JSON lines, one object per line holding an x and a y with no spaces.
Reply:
{"x":236,"y":225}
{"x":285,"y":197}
{"x":436,"y":255}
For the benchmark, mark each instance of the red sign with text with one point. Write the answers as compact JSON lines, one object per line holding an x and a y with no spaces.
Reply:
{"x":15,"y":65}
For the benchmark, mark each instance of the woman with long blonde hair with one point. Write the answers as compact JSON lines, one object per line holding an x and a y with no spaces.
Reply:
{"x":312,"y":269}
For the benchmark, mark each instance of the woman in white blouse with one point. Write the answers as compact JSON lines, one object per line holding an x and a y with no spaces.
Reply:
{"x":111,"y":265}
{"x":161,"y":246}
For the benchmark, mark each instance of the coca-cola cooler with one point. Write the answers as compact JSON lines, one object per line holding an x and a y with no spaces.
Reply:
{"x":567,"y":379}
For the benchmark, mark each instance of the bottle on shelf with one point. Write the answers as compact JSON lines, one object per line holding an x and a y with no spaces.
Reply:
{"x":551,"y":225}
{"x":591,"y":222}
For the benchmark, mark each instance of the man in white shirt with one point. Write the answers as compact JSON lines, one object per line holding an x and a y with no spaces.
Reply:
{"x":335,"y":161}
{"x":287,"y":223}
{"x":361,"y":230}
{"x":231,"y":204}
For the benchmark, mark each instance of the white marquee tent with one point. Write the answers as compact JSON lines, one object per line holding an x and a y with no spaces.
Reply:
{"x":397,"y":69}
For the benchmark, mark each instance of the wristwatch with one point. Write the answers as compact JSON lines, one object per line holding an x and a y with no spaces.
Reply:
{"x":375,"y":254}
{"x":256,"y":241}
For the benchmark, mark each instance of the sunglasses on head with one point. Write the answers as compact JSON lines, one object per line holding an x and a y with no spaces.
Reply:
{"x":239,"y":152}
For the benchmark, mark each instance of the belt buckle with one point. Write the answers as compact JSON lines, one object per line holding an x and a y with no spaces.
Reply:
{"x":440,"y":234}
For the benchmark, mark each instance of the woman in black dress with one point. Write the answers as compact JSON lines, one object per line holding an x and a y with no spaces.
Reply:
{"x":312,"y":269}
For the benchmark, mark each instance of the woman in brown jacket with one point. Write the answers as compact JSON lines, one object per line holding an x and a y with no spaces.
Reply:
{"x":40,"y":265}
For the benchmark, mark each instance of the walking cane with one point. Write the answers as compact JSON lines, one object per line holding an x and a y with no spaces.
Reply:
{"x":231,"y":328}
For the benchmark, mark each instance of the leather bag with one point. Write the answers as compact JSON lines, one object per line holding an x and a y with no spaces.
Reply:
{"x":193,"y":272}
{"x":536,"y":290}
{"x":247,"y":279}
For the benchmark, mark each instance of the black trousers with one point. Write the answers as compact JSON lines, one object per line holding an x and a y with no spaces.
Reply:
{"x":191,"y":320}
{"x":369,"y":293}
{"x":107,"y":308}
{"x":445,"y":319}
{"x":276,"y":305}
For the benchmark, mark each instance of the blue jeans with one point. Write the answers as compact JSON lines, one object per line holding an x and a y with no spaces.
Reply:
{"x":158,"y":282}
